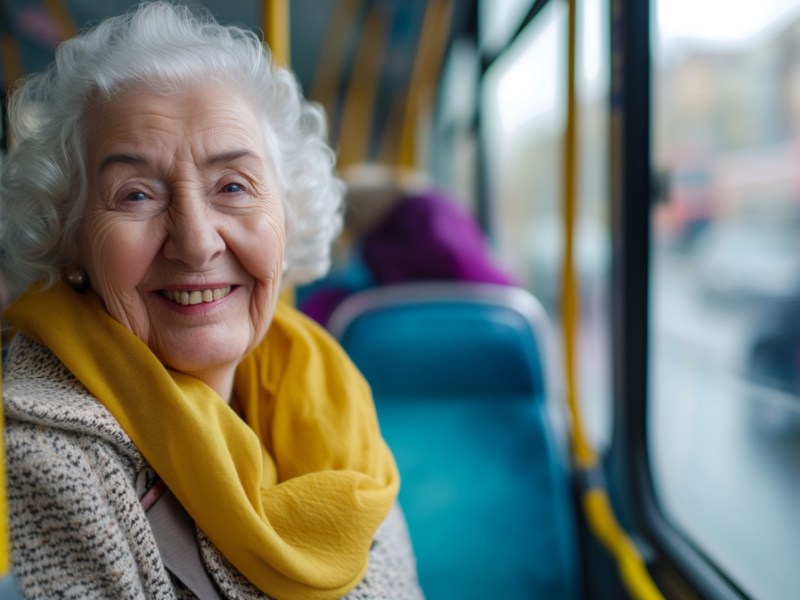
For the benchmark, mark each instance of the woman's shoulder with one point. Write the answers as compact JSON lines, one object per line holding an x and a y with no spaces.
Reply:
{"x":392,"y":571}
{"x":391,"y":574}
{"x":39,"y":392}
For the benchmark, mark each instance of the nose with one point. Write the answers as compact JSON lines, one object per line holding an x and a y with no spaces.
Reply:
{"x":194,"y":237}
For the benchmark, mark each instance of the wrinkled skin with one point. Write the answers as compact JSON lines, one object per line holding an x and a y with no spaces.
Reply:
{"x":182,"y":197}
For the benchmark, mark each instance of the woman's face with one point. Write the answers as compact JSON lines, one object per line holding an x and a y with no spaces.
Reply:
{"x":183,"y":233}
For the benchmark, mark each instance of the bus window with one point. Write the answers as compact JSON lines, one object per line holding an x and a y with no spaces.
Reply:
{"x":524,"y":112}
{"x":724,"y":413}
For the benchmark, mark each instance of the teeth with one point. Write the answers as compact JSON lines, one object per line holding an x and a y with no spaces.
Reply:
{"x":197,"y":296}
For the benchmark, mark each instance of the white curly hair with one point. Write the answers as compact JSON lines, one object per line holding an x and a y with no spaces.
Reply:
{"x":43,"y":178}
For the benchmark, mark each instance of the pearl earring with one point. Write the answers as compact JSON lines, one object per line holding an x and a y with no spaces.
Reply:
{"x":78,"y":279}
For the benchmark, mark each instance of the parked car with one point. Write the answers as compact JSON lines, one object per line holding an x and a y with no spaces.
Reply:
{"x":740,"y":262}
{"x":772,"y":363}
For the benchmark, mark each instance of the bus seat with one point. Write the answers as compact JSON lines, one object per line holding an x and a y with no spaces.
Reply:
{"x":461,"y":375}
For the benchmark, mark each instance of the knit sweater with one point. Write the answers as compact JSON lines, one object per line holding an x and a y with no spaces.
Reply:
{"x":77,"y":528}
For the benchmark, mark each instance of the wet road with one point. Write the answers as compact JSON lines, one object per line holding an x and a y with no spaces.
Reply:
{"x":726,"y":453}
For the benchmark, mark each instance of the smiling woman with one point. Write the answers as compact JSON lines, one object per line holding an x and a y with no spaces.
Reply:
{"x":172,"y":180}
{"x":184,"y":205}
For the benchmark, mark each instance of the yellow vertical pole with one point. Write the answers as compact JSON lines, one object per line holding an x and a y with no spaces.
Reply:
{"x":275,"y":24}
{"x":11,"y":56}
{"x":8,"y":587}
{"x":332,"y":53}
{"x":430,"y":51}
{"x":5,"y":551}
{"x":359,"y":105}
{"x":13,"y":70}
{"x":596,"y":504}
{"x":582,"y":450}
{"x":62,"y":18}
{"x":12,"y":59}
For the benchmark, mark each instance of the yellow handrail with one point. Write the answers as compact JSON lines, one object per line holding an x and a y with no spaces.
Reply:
{"x":359,"y":106}
{"x":275,"y":24}
{"x":596,"y":505}
{"x":5,"y":543}
{"x":62,"y":18}
{"x":430,"y":51}
{"x":332,"y":54}
{"x":13,"y":70}
{"x":12,"y":59}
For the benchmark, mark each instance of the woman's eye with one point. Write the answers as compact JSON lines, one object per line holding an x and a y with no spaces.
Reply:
{"x":136,"y":196}
{"x":232,"y":188}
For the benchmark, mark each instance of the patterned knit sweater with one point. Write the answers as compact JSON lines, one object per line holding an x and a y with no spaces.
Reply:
{"x":78,"y":530}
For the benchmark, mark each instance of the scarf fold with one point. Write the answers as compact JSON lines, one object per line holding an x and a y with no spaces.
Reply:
{"x":291,"y":497}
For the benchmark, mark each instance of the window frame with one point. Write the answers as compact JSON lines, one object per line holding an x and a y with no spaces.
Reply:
{"x":678,"y":566}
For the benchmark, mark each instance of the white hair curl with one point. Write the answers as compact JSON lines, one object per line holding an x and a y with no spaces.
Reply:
{"x":43,"y":181}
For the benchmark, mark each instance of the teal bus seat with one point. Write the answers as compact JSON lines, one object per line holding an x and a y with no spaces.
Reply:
{"x":461,"y":375}
{"x":8,"y":587}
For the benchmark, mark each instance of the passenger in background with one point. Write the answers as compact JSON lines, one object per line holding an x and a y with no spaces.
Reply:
{"x":398,"y":229}
{"x":172,"y":429}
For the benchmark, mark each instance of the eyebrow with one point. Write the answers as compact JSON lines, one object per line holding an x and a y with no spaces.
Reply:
{"x":214,"y":159}
{"x":230,"y":156}
{"x":128,"y":159}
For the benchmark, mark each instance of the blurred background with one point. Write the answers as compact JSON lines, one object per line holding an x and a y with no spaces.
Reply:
{"x":469,"y":95}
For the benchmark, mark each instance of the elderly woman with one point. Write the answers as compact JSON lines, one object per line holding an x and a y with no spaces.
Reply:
{"x":173,"y":429}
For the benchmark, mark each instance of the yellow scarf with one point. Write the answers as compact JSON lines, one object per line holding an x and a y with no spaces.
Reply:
{"x":293,"y":496}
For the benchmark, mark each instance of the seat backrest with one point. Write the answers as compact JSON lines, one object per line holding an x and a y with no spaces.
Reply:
{"x":462,"y":380}
{"x":446,"y":338}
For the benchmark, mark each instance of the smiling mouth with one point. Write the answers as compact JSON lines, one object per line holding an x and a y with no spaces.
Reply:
{"x":185,"y":298}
